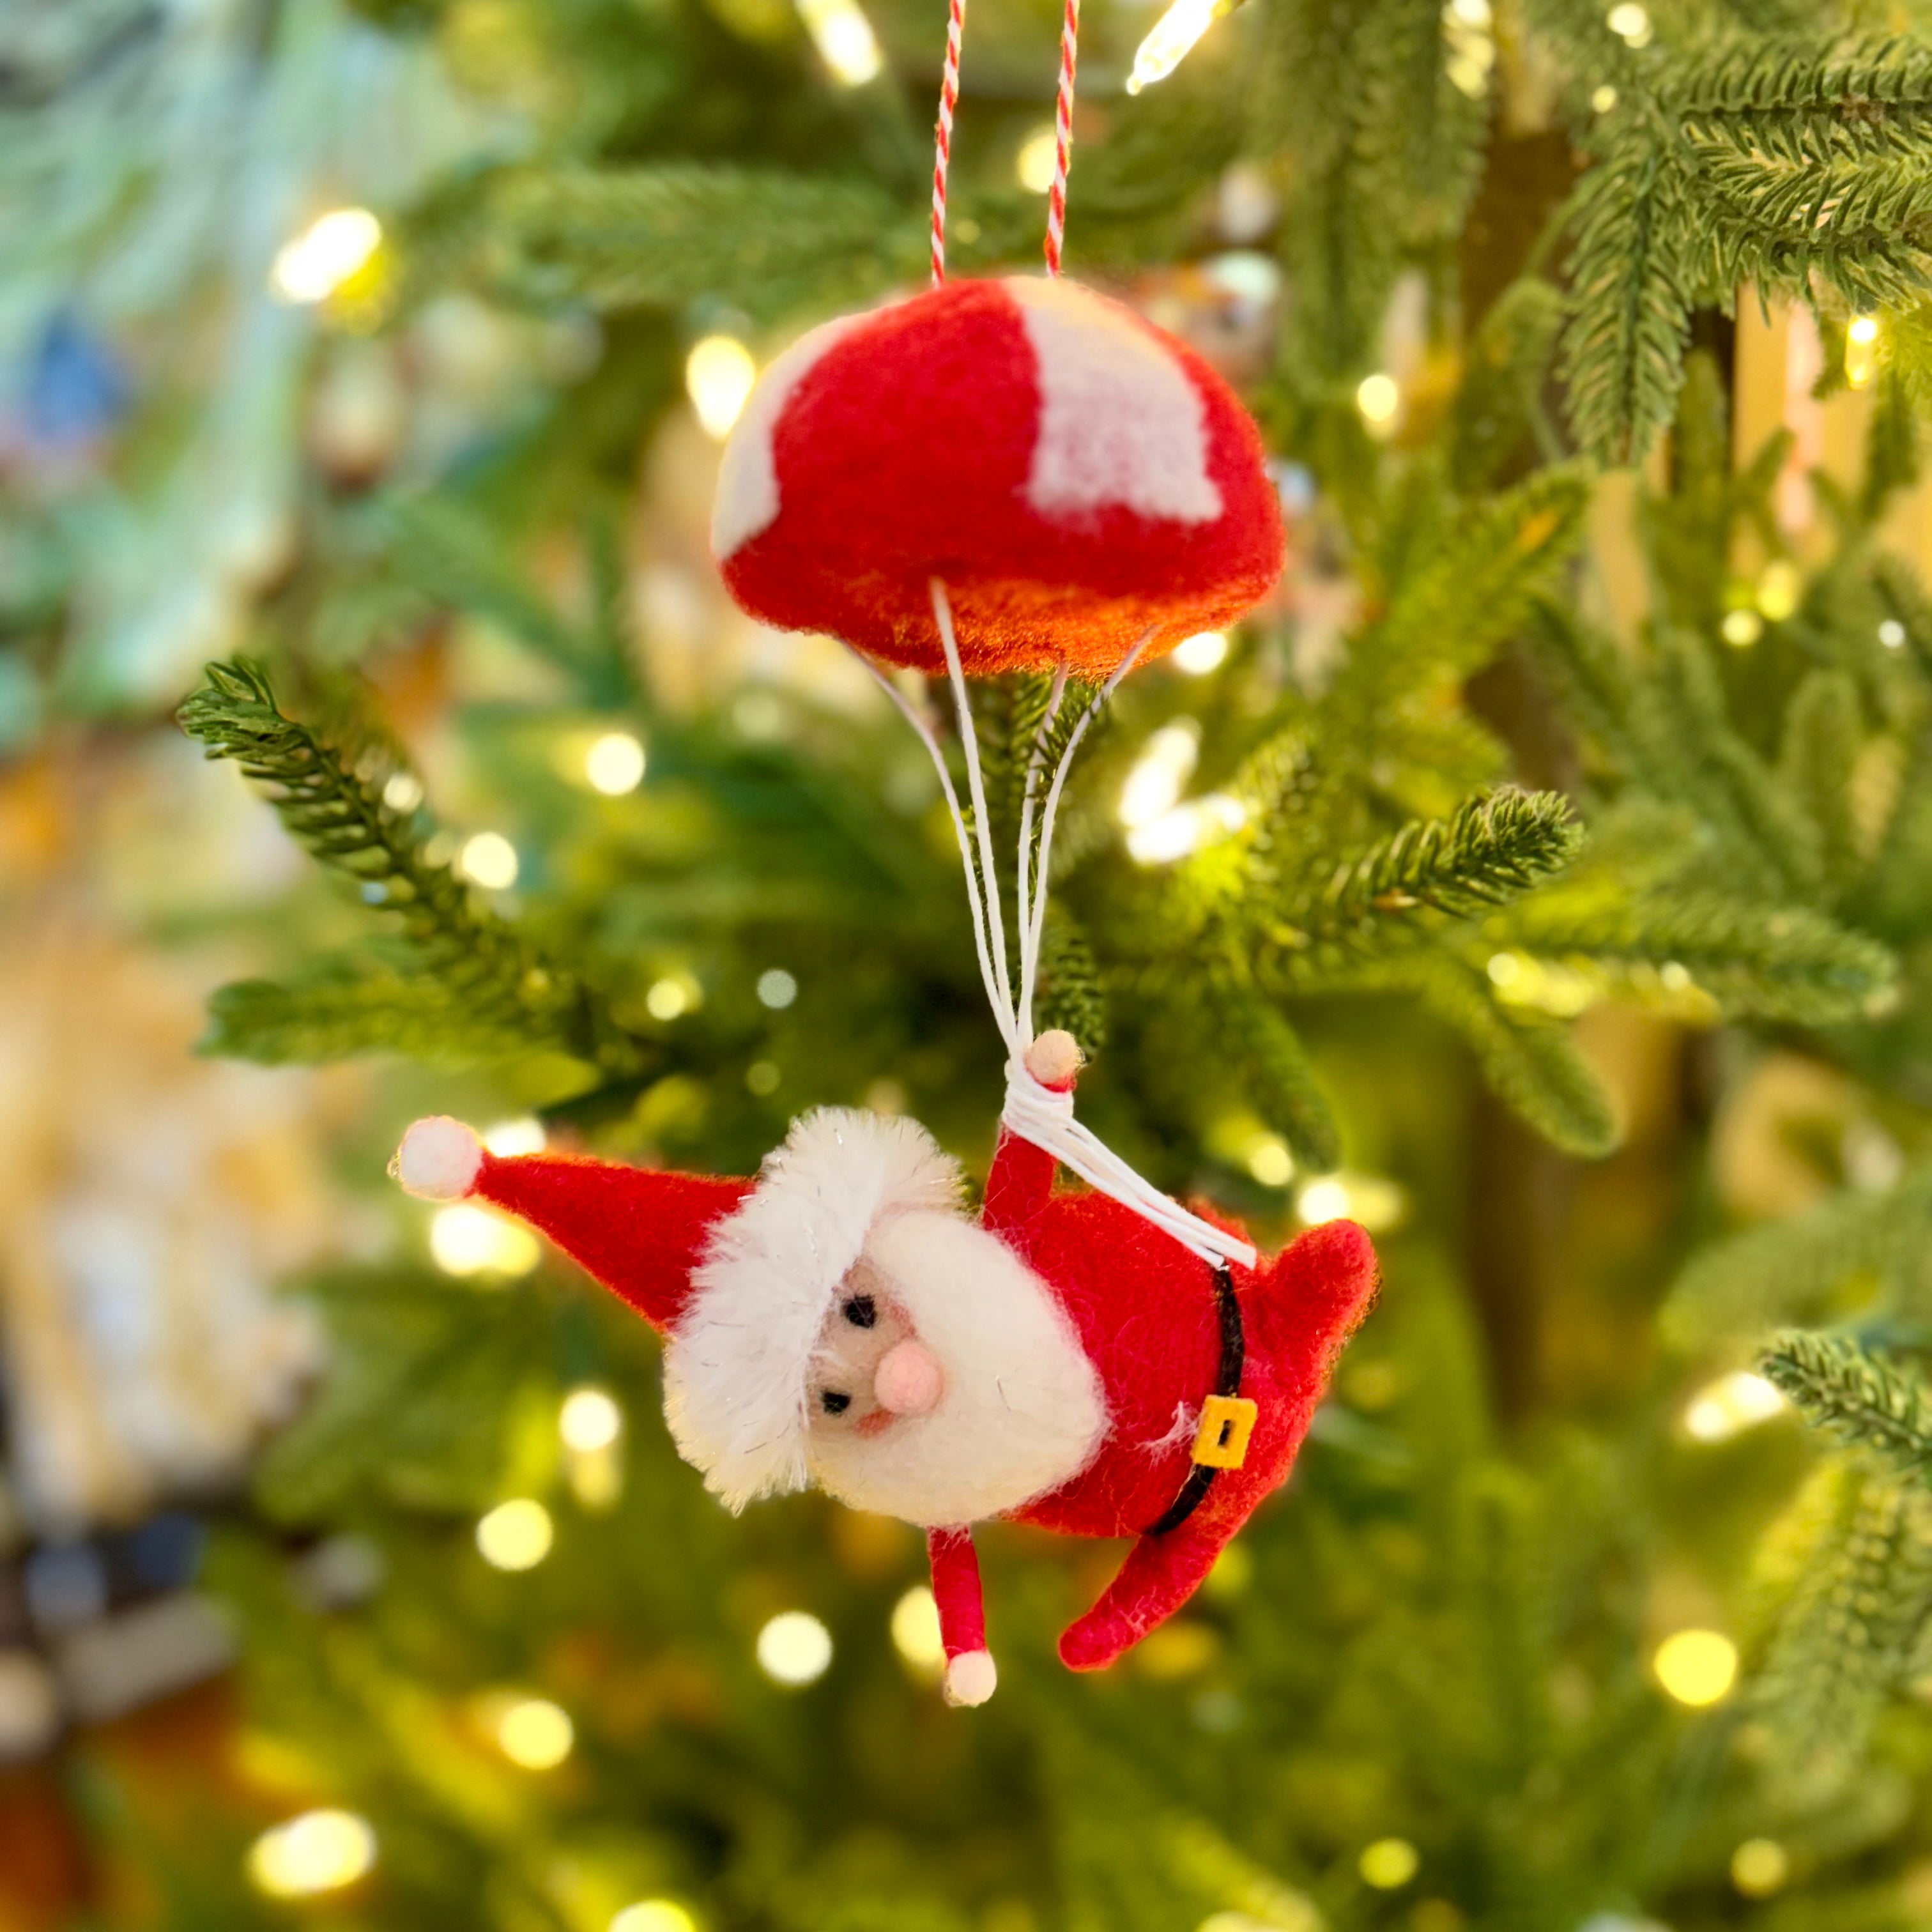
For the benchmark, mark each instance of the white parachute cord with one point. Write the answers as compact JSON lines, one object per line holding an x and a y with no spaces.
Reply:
{"x":1029,"y":950}
{"x":1029,"y":941}
{"x":980,"y":939}
{"x":996,"y":931}
{"x":1036,"y":1113}
{"x":1039,"y":1114}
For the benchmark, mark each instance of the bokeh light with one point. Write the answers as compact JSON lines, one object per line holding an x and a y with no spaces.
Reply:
{"x":319,"y":1851}
{"x":915,"y":1632}
{"x":311,"y":267}
{"x":1388,"y":1863}
{"x":534,"y":1733}
{"x":794,"y":1648}
{"x":614,"y":764}
{"x":654,"y":1915}
{"x":466,"y":1239}
{"x":590,"y":1420}
{"x":1202,"y":652}
{"x":719,"y":374}
{"x":489,"y":860}
{"x":516,"y":1535}
{"x":1696,"y":1667}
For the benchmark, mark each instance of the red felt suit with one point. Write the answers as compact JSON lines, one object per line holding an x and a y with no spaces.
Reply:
{"x":1140,"y":1308}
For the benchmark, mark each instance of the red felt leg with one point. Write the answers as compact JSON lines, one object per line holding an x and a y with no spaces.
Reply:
{"x":1160,"y":1574}
{"x":970,"y":1675}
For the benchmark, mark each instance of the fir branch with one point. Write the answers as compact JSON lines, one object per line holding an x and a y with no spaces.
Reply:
{"x":1491,"y":850}
{"x":1790,"y":1271}
{"x":1812,"y":102}
{"x":1533,"y":1065}
{"x":341,"y":817}
{"x":1777,"y":962}
{"x":1855,"y":1559}
{"x":1822,"y":742}
{"x":1862,"y":1398}
{"x":771,"y":243}
{"x":1631,"y":288}
{"x":312,"y":1022}
{"x":455,"y":561}
{"x":1465,"y":586}
{"x":1905,"y":601}
{"x":1275,"y":1072}
{"x":1498,"y":403}
{"x":1070,"y":994}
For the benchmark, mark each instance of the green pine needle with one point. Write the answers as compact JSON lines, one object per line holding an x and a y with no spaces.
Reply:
{"x":338,"y":812}
{"x":1860,"y":1397}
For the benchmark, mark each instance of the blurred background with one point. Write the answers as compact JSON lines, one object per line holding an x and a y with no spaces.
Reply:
{"x":347,"y":1576}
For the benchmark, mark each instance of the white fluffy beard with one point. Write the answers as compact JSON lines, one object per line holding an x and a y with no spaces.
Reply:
{"x":1022,"y":1411}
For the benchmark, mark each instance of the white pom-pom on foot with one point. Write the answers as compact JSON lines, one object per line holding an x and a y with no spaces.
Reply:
{"x":439,"y":1159}
{"x":970,"y":1677}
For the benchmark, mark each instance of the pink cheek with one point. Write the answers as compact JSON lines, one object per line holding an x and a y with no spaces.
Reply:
{"x":878,"y":1421}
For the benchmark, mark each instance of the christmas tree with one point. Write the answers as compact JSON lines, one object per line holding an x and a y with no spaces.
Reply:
{"x":1541,"y":876}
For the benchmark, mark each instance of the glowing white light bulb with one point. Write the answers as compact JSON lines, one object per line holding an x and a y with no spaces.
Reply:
{"x":523,"y":1135}
{"x":1696,"y":1667}
{"x":1167,"y":44}
{"x":1631,"y":23}
{"x":1729,"y":1405}
{"x":590,"y":1420}
{"x":843,"y":37}
{"x":654,"y":1915}
{"x":1377,"y":398}
{"x":1166,"y":763}
{"x":311,"y":267}
{"x":1037,"y":160}
{"x":1202,"y":652}
{"x":916,"y":1631}
{"x":719,"y":374}
{"x":615,"y":764}
{"x":777,"y":988}
{"x":534,"y":1733}
{"x":319,"y":1851}
{"x":465,"y":1239}
{"x":490,"y":860}
{"x":794,"y":1648}
{"x":516,"y":1535}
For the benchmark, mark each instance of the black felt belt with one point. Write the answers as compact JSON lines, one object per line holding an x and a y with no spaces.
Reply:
{"x":1233,"y":1352}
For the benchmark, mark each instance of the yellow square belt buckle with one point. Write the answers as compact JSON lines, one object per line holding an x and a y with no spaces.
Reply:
{"x":1227,"y":1421}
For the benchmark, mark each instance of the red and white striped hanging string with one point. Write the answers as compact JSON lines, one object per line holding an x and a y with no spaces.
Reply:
{"x":1062,"y":137}
{"x":942,"y":146}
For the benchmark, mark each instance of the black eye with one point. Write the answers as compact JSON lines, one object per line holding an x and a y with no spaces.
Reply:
{"x":834,"y":1402}
{"x":860,"y":1311}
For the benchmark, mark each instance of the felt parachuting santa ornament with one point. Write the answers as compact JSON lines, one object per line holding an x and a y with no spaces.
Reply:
{"x":1059,"y":1361}
{"x":989,"y":476}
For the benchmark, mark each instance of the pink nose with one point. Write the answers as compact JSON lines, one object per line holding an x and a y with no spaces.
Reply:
{"x":908,"y":1380}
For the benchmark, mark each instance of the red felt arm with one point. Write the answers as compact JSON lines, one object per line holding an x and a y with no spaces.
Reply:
{"x":1160,"y":1574}
{"x":970,"y":1676}
{"x":1020,"y":1181}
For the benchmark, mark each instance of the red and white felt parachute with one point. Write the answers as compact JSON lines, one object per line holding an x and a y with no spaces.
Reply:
{"x":1079,"y":482}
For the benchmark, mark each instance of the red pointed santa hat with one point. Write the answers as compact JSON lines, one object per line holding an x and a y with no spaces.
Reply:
{"x":738,"y":1275}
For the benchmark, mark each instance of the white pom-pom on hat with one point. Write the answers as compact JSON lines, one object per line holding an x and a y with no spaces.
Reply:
{"x":439,"y":1159}
{"x":970,"y":1678}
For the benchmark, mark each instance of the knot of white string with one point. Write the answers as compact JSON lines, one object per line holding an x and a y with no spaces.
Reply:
{"x":1035,"y":1112}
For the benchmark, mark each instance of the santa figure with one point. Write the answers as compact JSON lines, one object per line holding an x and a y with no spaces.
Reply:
{"x":1061,"y":1361}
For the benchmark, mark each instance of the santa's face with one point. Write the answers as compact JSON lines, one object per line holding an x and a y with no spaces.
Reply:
{"x":947,"y":1385}
{"x":869,"y":1367}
